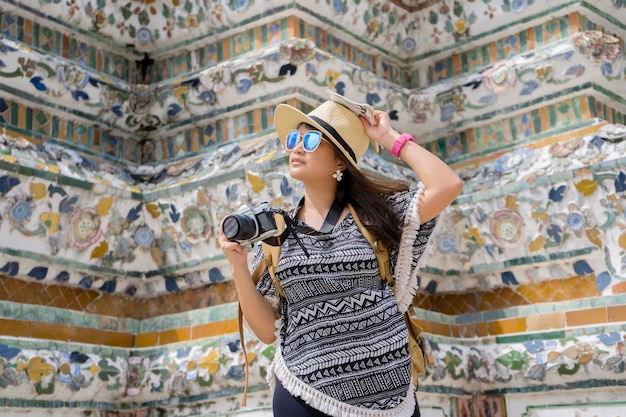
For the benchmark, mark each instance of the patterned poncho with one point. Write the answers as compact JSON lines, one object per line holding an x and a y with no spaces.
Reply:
{"x":341,"y":339}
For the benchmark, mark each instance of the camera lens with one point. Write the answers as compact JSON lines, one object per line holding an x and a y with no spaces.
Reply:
{"x":239,"y":227}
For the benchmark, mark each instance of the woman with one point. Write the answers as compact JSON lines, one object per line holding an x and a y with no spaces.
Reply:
{"x":342,"y":340}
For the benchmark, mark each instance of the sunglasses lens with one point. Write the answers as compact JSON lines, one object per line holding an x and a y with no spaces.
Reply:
{"x":292,"y":140}
{"x":312,"y":140}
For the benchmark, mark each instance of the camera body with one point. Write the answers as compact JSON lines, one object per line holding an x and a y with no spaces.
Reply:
{"x":249,"y":225}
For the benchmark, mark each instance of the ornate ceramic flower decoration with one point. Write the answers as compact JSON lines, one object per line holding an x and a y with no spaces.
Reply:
{"x":84,"y":228}
{"x":298,"y":51}
{"x":74,"y":79}
{"x":420,"y":105}
{"x":99,"y":19}
{"x":144,"y":237}
{"x":499,"y":77}
{"x":214,"y":80}
{"x":196,"y":223}
{"x":577,"y":220}
{"x":598,"y":46}
{"x":446,"y":243}
{"x":507,"y":228}
{"x":19,"y":209}
{"x":141,"y":100}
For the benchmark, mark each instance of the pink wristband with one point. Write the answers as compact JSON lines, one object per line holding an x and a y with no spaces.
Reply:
{"x":400,"y":142}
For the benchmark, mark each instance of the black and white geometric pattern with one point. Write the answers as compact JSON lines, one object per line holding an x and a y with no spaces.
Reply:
{"x":343,"y":340}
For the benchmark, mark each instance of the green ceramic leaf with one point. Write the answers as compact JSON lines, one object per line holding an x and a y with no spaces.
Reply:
{"x":107,"y":371}
{"x":433,"y":17}
{"x":458,"y":9}
{"x":41,"y":390}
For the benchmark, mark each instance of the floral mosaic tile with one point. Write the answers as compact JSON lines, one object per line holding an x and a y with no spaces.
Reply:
{"x":508,"y":216}
{"x":120,"y":230}
{"x":214,"y":368}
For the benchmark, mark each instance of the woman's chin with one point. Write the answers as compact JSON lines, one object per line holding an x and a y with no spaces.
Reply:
{"x":296,"y":172}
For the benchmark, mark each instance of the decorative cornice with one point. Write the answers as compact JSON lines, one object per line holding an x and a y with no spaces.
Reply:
{"x":589,"y":60}
{"x":158,"y":28}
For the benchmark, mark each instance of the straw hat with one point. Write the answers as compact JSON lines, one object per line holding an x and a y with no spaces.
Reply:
{"x":335,"y":121}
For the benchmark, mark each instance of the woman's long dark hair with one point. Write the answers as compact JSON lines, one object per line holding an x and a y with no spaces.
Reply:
{"x":366,"y":192}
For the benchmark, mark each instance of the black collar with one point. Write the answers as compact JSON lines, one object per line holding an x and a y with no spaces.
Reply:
{"x":329,"y":222}
{"x":291,"y":225}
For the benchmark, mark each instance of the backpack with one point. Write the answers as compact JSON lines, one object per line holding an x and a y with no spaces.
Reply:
{"x":271,"y":255}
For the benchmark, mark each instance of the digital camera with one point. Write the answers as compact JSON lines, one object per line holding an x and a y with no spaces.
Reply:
{"x":249,"y":225}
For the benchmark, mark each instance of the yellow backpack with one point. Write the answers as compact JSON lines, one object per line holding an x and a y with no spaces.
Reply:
{"x":271,"y":255}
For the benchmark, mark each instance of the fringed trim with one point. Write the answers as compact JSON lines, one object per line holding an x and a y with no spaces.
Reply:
{"x":329,"y":405}
{"x":430,"y":246}
{"x":428,"y":250}
{"x":406,"y":282}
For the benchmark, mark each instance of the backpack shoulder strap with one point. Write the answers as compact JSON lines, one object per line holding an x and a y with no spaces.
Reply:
{"x":246,"y":365}
{"x":380,"y":250}
{"x":271,"y":255}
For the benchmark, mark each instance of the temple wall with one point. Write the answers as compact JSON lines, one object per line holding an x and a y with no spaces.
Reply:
{"x":127,"y":131}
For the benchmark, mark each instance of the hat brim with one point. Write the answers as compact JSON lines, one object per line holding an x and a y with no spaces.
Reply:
{"x":287,"y":118}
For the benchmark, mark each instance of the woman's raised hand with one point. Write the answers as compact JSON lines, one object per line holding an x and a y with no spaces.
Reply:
{"x":381,"y":133}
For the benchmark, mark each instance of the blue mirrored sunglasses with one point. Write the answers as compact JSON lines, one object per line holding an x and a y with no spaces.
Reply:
{"x":310,"y":140}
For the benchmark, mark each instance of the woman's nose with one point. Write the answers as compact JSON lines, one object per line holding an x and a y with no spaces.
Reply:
{"x":299,"y":147}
